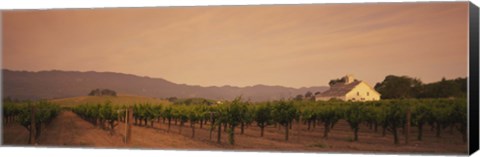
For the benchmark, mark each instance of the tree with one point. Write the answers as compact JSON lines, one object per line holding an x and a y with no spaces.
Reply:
{"x":335,"y":81}
{"x":445,"y":89}
{"x":193,"y":116}
{"x":168,"y":114}
{"x":308,"y":94}
{"x":459,"y":115}
{"x":298,"y":97}
{"x":395,"y":87}
{"x":234,"y":115}
{"x":263,"y":116}
{"x":154,"y":112}
{"x":283,"y":112}
{"x":44,"y":112}
{"x":395,"y":116}
{"x":245,"y":116}
{"x":220,"y":118}
{"x":308,"y":116}
{"x":421,"y":114}
{"x":109,"y":115}
{"x":442,"y":113}
{"x":102,"y":92}
{"x":329,"y":114}
{"x":354,"y":114}
{"x":182,"y":116}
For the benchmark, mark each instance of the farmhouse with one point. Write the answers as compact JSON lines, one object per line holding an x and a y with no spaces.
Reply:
{"x":349,"y":90}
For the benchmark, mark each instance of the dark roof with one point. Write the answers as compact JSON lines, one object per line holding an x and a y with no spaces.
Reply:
{"x":339,"y":89}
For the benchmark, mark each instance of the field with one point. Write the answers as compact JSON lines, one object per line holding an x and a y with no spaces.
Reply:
{"x":69,"y":130}
{"x":119,"y":100}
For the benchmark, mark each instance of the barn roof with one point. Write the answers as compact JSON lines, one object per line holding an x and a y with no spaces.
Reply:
{"x":339,"y":89}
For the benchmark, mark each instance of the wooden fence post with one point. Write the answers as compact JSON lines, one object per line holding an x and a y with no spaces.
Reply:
{"x":32,"y":126}
{"x":129,"y":120}
{"x":126,"y":126}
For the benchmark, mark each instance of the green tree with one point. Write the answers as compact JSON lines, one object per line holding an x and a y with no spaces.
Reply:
{"x":355,"y":114}
{"x":395,"y":116}
{"x":459,"y":115}
{"x":234,"y":117}
{"x":168,"y":114}
{"x":299,"y":97}
{"x":421,"y":114}
{"x":221,"y":118}
{"x":193,"y":117}
{"x":445,"y":89}
{"x":442,"y":112}
{"x":329,"y":114}
{"x":283,"y":112}
{"x":263,"y":116}
{"x":394,"y":87}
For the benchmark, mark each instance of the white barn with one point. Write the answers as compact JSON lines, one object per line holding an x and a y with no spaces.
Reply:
{"x":350,"y":90}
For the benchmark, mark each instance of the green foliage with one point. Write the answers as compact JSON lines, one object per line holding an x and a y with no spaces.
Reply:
{"x":329,"y":113}
{"x":388,"y":114}
{"x":459,"y":116}
{"x":395,"y":87}
{"x":99,"y":114}
{"x":263,"y":116}
{"x":395,"y":116}
{"x":44,"y":111}
{"x":398,"y":87}
{"x":283,"y":113}
{"x":234,"y":115}
{"x":421,"y":114}
{"x":355,"y":114}
{"x":102,"y":92}
{"x":445,"y":89}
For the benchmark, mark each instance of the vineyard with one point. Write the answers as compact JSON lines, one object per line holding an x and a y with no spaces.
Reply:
{"x":231,"y":119}
{"x":32,"y":116}
{"x":388,"y":116}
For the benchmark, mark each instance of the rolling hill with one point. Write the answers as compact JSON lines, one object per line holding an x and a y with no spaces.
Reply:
{"x":62,"y":84}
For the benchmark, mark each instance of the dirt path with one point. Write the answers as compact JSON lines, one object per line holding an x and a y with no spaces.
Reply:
{"x":70,"y":130}
{"x":14,"y":134}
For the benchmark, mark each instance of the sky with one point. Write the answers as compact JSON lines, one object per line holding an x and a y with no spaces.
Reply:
{"x":286,"y":45}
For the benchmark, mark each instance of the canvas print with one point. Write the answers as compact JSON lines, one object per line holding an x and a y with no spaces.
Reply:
{"x":357,"y":78}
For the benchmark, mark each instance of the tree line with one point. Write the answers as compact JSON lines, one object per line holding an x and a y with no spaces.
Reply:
{"x":102,"y":92}
{"x":398,"y":87}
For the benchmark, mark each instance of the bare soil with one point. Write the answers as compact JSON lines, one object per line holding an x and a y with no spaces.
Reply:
{"x":69,"y":130}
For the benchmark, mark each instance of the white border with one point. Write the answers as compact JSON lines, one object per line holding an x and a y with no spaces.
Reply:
{"x":58,"y":4}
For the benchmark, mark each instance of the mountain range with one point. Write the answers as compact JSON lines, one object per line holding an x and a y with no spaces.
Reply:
{"x":52,"y":84}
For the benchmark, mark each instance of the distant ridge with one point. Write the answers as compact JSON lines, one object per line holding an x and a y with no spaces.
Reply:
{"x":61,"y":84}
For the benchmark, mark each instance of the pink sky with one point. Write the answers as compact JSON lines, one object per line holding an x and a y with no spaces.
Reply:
{"x":287,"y":45}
